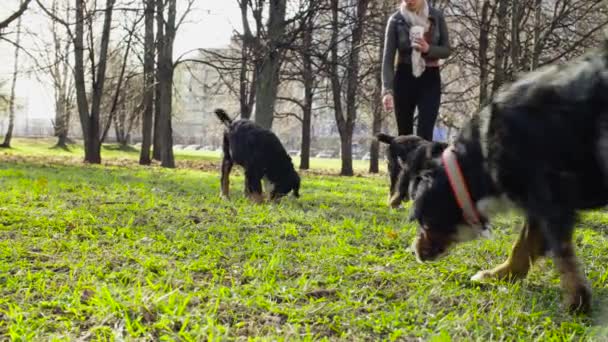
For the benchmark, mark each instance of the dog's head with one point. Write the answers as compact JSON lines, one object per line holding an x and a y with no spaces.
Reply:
{"x":416,"y":158}
{"x":289,"y":183}
{"x":435,"y":208}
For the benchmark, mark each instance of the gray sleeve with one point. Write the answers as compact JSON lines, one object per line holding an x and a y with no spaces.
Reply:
{"x":442,"y":50}
{"x":388,"y":58}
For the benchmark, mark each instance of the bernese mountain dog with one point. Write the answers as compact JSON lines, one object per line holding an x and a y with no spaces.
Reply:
{"x":260,"y":152}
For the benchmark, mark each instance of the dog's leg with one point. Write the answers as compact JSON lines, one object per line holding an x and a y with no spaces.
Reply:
{"x":400,"y":190}
{"x":529,"y":246}
{"x":225,"y":179}
{"x":393,"y":172}
{"x":254,"y":186}
{"x":576,"y":288}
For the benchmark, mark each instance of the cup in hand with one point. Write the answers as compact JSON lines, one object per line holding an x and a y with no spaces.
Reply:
{"x":416,"y":32}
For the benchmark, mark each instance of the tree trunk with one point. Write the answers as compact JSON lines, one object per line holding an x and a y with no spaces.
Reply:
{"x":374,"y":149}
{"x":536,"y":50}
{"x":148,"y":115}
{"x":336,"y":86}
{"x":160,"y":41}
{"x":346,"y":125}
{"x":89,"y":118}
{"x":309,"y":83}
{"x":165,"y":72}
{"x":484,"y":44}
{"x":515,"y":17}
{"x":11,"y":109}
{"x":245,"y":87}
{"x":60,"y":73}
{"x":346,"y":153}
{"x":267,"y":84}
{"x":500,"y":51}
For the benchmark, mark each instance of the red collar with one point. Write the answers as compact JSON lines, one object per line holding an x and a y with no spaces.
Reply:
{"x":459,"y":187}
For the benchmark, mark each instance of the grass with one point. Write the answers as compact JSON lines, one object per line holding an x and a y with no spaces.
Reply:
{"x":121,"y":252}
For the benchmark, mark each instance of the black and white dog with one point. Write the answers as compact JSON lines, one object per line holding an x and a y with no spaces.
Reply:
{"x":542,"y":147}
{"x":260,"y":152}
{"x":403,"y":154}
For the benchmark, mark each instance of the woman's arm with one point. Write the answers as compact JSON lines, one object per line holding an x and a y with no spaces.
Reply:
{"x":388,"y":59}
{"x":442,"y":50}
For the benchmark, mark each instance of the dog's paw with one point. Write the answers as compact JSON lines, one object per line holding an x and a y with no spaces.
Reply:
{"x":483,"y":276}
{"x":579,"y":301}
{"x":396,"y":207}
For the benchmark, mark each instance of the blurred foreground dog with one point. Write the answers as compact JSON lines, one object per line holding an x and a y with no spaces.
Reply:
{"x":541,"y":147}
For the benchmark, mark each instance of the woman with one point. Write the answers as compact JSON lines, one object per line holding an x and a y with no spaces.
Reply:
{"x":419,"y":34}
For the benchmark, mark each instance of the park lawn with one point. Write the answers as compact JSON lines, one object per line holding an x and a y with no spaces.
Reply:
{"x":122,"y":252}
{"x":114,"y":153}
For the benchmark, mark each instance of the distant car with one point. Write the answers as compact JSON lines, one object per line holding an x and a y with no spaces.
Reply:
{"x":192,"y":147}
{"x":208,"y":148}
{"x":178,"y":147}
{"x":366,"y":156}
{"x":295,"y":153}
{"x":325,"y":154}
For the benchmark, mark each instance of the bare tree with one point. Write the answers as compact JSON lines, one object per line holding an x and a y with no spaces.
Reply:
{"x":11,"y":111}
{"x":148,"y":100}
{"x":345,"y":119}
{"x":16,"y":15}
{"x":165,"y":41}
{"x":62,"y":80}
{"x":268,"y":77}
{"x":381,"y":11}
{"x":90,"y":114}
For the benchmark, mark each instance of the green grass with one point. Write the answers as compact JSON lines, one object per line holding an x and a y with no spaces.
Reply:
{"x":121,"y":252}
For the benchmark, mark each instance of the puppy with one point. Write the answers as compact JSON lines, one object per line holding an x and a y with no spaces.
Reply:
{"x":261,"y":154}
{"x":541,"y":147}
{"x":403,"y":153}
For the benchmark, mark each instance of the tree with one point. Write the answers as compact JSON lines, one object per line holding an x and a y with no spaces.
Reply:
{"x":377,"y":28}
{"x":89,"y":112}
{"x":268,"y":73}
{"x":166,"y":37}
{"x":148,"y":100}
{"x":346,"y":119}
{"x":63,"y":81}
{"x":16,"y":15}
{"x":11,"y":111}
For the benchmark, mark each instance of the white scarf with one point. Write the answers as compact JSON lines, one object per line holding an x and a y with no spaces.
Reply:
{"x":417,"y":19}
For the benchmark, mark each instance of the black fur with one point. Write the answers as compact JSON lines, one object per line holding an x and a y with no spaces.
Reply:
{"x":405,"y":152}
{"x":260,"y":152}
{"x":544,"y":146}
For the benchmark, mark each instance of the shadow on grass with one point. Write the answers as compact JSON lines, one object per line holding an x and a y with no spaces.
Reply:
{"x":65,"y":148}
{"x":121,"y":148}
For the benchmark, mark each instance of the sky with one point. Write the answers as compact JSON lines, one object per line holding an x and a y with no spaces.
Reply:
{"x":209,"y":25}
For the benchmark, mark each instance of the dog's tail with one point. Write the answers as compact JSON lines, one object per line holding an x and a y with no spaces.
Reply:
{"x":385,"y":138}
{"x":223,"y":116}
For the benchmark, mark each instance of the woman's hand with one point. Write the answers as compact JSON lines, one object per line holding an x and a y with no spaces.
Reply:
{"x":387,"y":102}
{"x":421,"y":45}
